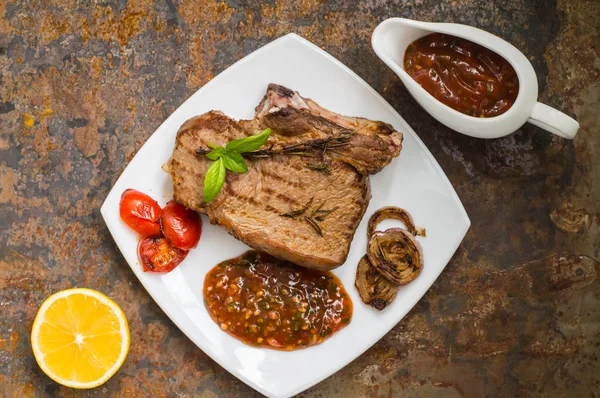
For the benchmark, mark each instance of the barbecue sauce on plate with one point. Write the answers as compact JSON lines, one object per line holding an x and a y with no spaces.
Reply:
{"x":270,"y":303}
{"x":463,"y":75}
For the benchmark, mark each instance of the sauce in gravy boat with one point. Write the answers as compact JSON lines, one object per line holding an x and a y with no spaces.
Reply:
{"x":393,"y":36}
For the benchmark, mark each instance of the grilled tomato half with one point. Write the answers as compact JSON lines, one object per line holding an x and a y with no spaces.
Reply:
{"x":140,"y":212}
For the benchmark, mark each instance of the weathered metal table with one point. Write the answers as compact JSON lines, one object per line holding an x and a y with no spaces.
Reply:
{"x":516,"y":312}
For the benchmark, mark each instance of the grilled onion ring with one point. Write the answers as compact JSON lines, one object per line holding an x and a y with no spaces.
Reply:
{"x":396,"y":254}
{"x":394,"y":213}
{"x":374,"y":289}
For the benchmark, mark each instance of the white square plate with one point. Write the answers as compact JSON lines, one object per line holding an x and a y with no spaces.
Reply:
{"x":413,"y":181}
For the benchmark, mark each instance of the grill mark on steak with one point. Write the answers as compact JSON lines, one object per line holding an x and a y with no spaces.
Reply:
{"x":249,"y":204}
{"x":249,"y":199}
{"x":288,"y":200}
{"x":275,"y":177}
{"x":271,"y":209}
{"x":281,"y":179}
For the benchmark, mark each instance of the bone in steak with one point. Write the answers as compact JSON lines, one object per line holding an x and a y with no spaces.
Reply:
{"x":313,"y":157}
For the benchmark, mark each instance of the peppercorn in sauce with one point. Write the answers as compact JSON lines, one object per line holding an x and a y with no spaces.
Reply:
{"x":270,"y":303}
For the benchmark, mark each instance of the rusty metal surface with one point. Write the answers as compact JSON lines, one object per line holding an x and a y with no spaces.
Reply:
{"x":83,"y":85}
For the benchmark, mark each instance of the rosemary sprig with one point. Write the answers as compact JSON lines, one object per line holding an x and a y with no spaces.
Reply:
{"x":301,"y":149}
{"x":323,"y":167}
{"x":304,"y":154}
{"x":315,"y":211}
{"x":324,"y":213}
{"x":337,"y":145}
{"x":314,"y":224}
{"x":318,"y":214}
{"x":299,"y":212}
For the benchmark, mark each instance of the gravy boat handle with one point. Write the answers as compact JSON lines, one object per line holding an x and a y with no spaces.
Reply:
{"x":553,"y":121}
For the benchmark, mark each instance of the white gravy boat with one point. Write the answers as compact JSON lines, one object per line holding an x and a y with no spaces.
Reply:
{"x":392,"y":37}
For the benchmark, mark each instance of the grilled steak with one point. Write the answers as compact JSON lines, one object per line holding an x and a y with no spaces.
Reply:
{"x":304,"y":197}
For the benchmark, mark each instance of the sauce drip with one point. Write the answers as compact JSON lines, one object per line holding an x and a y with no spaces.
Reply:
{"x":465,"y":76}
{"x":270,"y":303}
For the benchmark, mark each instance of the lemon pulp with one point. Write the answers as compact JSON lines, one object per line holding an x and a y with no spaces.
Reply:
{"x":80,"y":338}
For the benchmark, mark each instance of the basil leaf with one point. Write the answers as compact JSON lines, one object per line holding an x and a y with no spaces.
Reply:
{"x":234,"y":161}
{"x":214,"y":179}
{"x":216,"y":153}
{"x":249,"y":144}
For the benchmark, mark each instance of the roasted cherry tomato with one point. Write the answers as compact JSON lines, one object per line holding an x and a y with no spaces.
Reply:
{"x":158,"y":255}
{"x":140,"y":212}
{"x":181,"y":226}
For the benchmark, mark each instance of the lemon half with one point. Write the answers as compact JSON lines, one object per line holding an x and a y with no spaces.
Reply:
{"x":80,"y":338}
